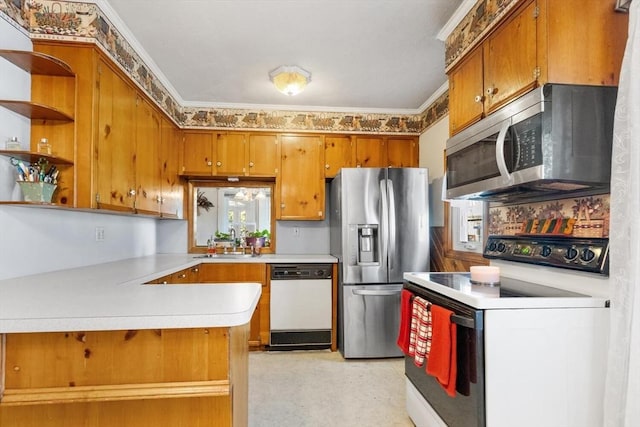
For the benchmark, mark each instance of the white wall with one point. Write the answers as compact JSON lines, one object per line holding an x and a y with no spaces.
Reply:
{"x":36,"y":240}
{"x":432,"y":145}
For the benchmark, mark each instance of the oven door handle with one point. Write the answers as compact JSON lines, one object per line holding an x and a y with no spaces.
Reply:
{"x":463,"y":321}
{"x":375,"y":293}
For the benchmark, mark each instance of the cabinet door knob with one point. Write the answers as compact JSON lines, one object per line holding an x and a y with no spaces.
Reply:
{"x":491,"y":90}
{"x":478,"y":98}
{"x":218,"y":163}
{"x":327,"y":166}
{"x":250,"y":164}
{"x":209,"y":163}
{"x":132,"y":192}
{"x":182,"y":276}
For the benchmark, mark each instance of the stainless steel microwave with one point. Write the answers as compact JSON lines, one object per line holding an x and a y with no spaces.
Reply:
{"x":554,"y":140}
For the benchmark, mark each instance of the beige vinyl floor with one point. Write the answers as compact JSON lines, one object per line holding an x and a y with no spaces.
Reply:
{"x":321,"y":388}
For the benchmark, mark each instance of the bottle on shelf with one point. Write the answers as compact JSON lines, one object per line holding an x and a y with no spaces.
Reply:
{"x":44,"y":147}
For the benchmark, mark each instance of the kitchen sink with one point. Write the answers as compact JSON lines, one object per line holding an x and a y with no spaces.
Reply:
{"x":231,"y":255}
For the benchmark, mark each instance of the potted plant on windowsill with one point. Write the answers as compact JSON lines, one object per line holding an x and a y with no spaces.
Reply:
{"x":223,"y":239}
{"x":258,"y":239}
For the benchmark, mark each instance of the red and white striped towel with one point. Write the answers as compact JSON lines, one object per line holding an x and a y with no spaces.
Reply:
{"x":421,"y":331}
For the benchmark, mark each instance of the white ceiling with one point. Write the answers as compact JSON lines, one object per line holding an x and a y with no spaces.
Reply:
{"x":364,"y":55}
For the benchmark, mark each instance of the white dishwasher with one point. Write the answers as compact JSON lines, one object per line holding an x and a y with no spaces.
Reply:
{"x":301,"y":300}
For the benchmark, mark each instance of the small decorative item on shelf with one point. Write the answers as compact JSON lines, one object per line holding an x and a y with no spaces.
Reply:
{"x":37,"y":191}
{"x":44,"y":147}
{"x":13,"y":144}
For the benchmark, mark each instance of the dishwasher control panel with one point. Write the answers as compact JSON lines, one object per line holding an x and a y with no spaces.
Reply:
{"x":301,"y":271}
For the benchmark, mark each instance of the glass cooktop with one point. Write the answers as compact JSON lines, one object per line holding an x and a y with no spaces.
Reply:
{"x":507,"y":288}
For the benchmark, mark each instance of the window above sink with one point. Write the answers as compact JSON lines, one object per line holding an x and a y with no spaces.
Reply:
{"x":217,"y":207}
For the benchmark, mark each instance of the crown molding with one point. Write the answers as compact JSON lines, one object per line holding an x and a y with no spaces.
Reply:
{"x":455,"y":19}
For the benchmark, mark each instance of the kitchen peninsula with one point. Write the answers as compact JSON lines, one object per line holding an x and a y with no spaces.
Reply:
{"x":95,"y":346}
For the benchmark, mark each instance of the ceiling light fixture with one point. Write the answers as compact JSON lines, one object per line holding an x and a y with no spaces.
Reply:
{"x":290,"y":79}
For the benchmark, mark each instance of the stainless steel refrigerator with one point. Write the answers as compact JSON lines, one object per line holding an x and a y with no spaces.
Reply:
{"x":379,"y":230}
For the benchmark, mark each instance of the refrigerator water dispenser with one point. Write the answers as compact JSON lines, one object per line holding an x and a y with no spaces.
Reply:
{"x":367,"y":247}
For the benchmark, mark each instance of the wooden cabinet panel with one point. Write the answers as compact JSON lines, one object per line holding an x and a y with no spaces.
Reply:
{"x":115,"y":166}
{"x":466,"y":92}
{"x":147,"y":158}
{"x":338,"y":153}
{"x":300,"y":187}
{"x":263,"y":155}
{"x":171,"y":189}
{"x":510,"y":60}
{"x":371,"y":152}
{"x":584,"y":45}
{"x":230,"y":149}
{"x":238,"y":273}
{"x":402,"y":152}
{"x":198,"y":153}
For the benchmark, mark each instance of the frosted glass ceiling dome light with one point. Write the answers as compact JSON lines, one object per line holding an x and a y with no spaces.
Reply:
{"x":290,"y":79}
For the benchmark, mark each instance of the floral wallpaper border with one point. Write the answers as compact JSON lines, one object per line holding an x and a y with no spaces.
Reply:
{"x":85,"y":22}
{"x":575,"y":217}
{"x":479,"y":21}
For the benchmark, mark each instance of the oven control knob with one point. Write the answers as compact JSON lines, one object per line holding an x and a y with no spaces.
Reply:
{"x":502,"y":247}
{"x":492,"y":246}
{"x":587,"y":255}
{"x":545,"y":251}
{"x":320,"y":273}
{"x":572,"y":253}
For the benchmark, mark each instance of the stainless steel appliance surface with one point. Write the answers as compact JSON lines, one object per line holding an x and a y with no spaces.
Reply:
{"x":554,"y":140}
{"x":300,"y":306}
{"x":379,"y":230}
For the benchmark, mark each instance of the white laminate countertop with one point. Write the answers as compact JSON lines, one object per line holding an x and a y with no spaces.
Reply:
{"x":112,"y":296}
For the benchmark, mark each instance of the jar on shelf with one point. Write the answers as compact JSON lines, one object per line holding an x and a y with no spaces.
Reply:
{"x":13,"y":144}
{"x":44,"y":147}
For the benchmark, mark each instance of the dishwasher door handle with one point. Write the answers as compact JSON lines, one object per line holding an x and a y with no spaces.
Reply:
{"x":374,"y":293}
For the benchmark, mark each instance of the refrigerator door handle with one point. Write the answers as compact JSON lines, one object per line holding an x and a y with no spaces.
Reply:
{"x":392,"y":223}
{"x":384,"y":221}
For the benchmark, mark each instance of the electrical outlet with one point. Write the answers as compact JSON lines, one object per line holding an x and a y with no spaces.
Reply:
{"x":296,"y":231}
{"x":99,"y":234}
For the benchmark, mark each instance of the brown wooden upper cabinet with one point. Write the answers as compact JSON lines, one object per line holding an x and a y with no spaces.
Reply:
{"x":540,"y":41}
{"x":208,"y":153}
{"x":402,"y":152}
{"x":371,"y":151}
{"x":171,"y":187}
{"x":300,"y":191}
{"x":263,"y":155}
{"x":338,"y":153}
{"x":116,"y":139}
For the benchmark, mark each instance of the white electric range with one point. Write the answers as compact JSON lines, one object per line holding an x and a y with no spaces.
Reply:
{"x":533,"y":348}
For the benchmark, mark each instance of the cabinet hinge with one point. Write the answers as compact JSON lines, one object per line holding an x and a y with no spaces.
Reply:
{"x":536,"y":12}
{"x":536,"y":73}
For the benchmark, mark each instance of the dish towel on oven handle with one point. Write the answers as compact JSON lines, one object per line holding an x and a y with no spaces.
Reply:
{"x":420,"y":335}
{"x":442,"y":358}
{"x":404,"y":334}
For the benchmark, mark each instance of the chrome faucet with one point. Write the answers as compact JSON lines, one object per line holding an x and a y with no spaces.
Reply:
{"x":232,"y":235}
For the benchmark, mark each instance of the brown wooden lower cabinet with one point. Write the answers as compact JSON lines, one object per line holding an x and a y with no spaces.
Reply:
{"x":242,"y":273}
{"x":231,"y":273}
{"x":168,"y":377}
